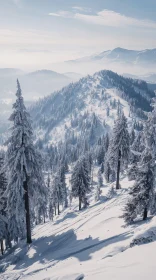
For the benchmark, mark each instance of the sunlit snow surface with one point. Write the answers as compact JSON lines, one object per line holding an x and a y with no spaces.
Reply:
{"x":91,"y":244}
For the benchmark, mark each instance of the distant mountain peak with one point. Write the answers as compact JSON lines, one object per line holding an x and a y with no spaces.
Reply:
{"x":121,"y":55}
{"x":44,"y":72}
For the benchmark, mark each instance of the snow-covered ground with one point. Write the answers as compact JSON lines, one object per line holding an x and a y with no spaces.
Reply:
{"x":91,"y":244}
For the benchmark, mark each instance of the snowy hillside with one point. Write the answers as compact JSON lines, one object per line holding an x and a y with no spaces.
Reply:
{"x":101,"y":96}
{"x":90,"y":199}
{"x":91,"y":244}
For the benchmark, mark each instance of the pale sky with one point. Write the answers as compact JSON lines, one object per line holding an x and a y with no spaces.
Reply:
{"x":34,"y":33}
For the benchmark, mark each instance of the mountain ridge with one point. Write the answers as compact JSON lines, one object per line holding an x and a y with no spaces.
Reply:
{"x":92,"y":96}
{"x":124,"y":55}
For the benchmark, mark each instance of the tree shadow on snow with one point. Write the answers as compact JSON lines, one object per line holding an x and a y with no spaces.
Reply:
{"x":61,"y":247}
{"x":138,"y":222}
{"x":67,"y":216}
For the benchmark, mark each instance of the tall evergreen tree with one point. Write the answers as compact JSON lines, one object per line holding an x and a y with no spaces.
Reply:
{"x":24,"y":169}
{"x":142,"y":195}
{"x":107,"y":169}
{"x":106,"y":143}
{"x":100,"y":154}
{"x":80,"y":181}
{"x":138,"y":145}
{"x":149,"y":131}
{"x":102,"y":168}
{"x":61,"y":188}
{"x":3,"y":204}
{"x":119,"y":149}
{"x":50,"y":199}
{"x":99,"y":186}
{"x":54,"y":193}
{"x":132,"y":136}
{"x":3,"y":185}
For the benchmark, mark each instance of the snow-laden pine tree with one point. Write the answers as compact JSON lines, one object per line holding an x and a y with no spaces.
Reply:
{"x":132,"y":171}
{"x":100,"y":154}
{"x":149,"y":131}
{"x":137,"y":148}
{"x":99,"y":186}
{"x":89,"y":158}
{"x":142,"y":194}
{"x":54,"y":193}
{"x":119,"y":147}
{"x":3,"y":203}
{"x":50,"y":198}
{"x":24,"y":170}
{"x":3,"y":185}
{"x":60,"y":191}
{"x":132,"y":136}
{"x":63,"y":185}
{"x":92,"y":136}
{"x":3,"y":234}
{"x":106,"y":142}
{"x":107,"y":169}
{"x":60,"y":187}
{"x":102,"y":168}
{"x":41,"y":209}
{"x":80,"y":181}
{"x":138,"y":145}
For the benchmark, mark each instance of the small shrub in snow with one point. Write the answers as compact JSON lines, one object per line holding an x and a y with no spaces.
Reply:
{"x":146,"y":235}
{"x":143,"y":240}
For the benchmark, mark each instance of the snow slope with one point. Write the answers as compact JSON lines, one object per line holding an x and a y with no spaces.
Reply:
{"x":91,"y":244}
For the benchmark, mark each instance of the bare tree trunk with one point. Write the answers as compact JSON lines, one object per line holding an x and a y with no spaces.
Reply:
{"x":55,"y":210}
{"x":108,"y":174}
{"x":58,"y":207}
{"x":7,"y":240}
{"x":27,"y":211}
{"x":145,"y":214}
{"x":66,"y":198}
{"x":79,"y":203}
{"x":92,"y":173}
{"x":118,"y":171}
{"x":2,"y":247}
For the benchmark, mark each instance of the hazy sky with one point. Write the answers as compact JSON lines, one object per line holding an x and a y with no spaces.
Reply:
{"x":34,"y":33}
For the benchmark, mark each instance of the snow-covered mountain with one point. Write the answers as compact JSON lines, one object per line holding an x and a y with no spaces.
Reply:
{"x":121,"y":55}
{"x":46,"y":73}
{"x":97,"y":98}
